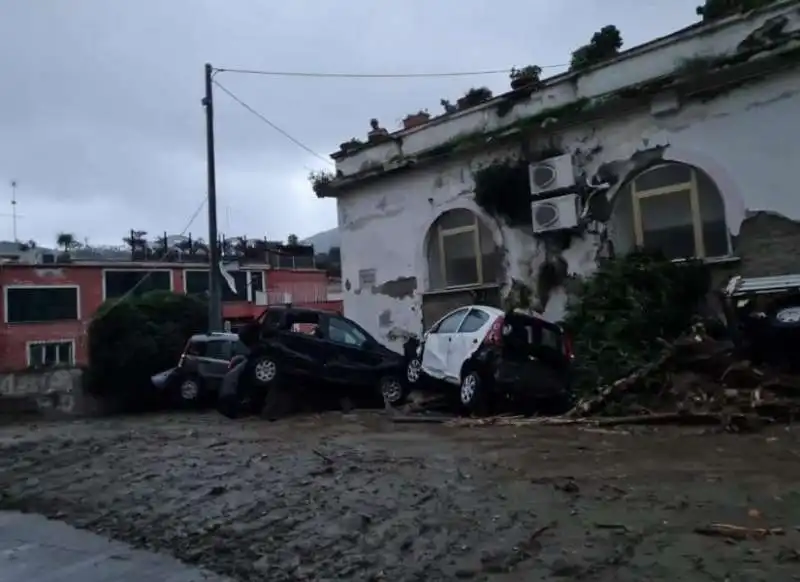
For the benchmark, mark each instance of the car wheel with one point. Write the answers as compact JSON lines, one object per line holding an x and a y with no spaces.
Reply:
{"x":472,"y":394}
{"x":265,"y":370}
{"x":188,"y":391}
{"x":392,"y":390}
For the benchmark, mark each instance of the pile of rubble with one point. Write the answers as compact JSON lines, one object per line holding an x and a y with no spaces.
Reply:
{"x":698,"y":375}
{"x":696,"y":380}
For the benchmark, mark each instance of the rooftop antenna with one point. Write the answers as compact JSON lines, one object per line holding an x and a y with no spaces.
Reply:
{"x":14,"y":209}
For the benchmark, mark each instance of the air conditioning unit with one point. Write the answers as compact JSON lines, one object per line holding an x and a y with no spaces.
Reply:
{"x":552,"y":175}
{"x":558,"y":213}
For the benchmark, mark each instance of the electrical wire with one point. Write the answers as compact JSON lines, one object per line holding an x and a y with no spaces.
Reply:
{"x":375,"y":75}
{"x":148,"y":273}
{"x":263,"y":118}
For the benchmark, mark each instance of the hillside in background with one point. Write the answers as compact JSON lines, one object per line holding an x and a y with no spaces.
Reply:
{"x":325,"y":240}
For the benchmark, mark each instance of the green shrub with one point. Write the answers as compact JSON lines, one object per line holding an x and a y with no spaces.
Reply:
{"x":133,"y":339}
{"x":620,"y":314}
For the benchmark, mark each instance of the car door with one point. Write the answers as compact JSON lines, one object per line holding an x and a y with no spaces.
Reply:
{"x":214,"y":364}
{"x":466,"y":340}
{"x":303,"y":340}
{"x":349,"y":359}
{"x":437,"y":343}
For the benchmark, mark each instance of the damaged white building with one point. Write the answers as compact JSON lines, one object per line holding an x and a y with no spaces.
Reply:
{"x":687,"y":144}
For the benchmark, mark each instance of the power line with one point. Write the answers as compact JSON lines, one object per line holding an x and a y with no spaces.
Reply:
{"x":375,"y":75}
{"x":148,"y":273}
{"x":194,"y":216}
{"x":287,"y":135}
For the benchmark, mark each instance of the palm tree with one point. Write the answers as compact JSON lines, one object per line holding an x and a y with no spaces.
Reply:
{"x":137,"y":241}
{"x":161,"y":248}
{"x":66,"y":240}
{"x":199,"y":246}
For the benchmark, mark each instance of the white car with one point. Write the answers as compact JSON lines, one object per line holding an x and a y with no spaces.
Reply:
{"x":489,"y":354}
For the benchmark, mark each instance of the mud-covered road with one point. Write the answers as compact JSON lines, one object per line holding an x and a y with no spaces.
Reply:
{"x":354,"y":497}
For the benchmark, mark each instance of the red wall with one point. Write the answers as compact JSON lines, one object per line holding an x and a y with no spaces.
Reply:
{"x":303,"y":284}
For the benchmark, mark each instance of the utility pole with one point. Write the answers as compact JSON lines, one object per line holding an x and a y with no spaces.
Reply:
{"x":214,"y":283}
{"x":14,"y":208}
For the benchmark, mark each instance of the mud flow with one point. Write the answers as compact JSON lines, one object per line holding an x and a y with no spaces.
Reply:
{"x":355,"y":497}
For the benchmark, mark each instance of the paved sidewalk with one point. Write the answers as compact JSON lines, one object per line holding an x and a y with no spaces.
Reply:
{"x":35,"y":549}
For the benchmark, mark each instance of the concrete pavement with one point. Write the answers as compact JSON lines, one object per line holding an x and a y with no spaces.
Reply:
{"x":35,"y":549}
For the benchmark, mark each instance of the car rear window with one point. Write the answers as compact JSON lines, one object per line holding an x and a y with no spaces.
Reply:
{"x":534,"y":331}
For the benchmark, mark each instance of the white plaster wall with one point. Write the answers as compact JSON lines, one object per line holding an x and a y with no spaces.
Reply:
{"x":745,"y":140}
{"x":649,"y":61}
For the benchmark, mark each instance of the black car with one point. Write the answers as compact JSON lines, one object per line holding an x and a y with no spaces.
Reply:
{"x":297,"y":348}
{"x":198,"y":376}
{"x":487,"y":356}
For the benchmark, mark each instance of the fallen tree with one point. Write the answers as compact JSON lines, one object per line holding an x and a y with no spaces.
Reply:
{"x":622,"y":315}
{"x":694,"y":375}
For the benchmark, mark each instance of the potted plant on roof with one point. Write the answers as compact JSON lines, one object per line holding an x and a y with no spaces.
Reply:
{"x":321,"y":181}
{"x":474,"y":96}
{"x":526,"y":77}
{"x":421,"y":117}
{"x":350,"y":145}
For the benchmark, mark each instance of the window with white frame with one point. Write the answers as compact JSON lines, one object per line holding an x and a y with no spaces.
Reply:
{"x":461,"y":251}
{"x":118,"y":283}
{"x":672,"y":208}
{"x":49,"y":354}
{"x":246,"y":282}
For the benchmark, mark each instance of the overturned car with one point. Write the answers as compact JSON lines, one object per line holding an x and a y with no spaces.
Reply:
{"x":297,"y":353}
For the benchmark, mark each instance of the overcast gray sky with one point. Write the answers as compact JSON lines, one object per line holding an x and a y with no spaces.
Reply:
{"x":100,"y":115}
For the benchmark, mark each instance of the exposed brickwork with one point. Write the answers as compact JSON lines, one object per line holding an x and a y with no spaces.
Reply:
{"x":768,"y":244}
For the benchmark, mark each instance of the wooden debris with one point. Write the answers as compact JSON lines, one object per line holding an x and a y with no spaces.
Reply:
{"x":696,"y":380}
{"x":737,"y":532}
{"x":421,"y":419}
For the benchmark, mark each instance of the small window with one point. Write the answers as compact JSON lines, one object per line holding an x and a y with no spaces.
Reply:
{"x":239,"y":349}
{"x":271,"y":318}
{"x":51,"y":354}
{"x":306,"y":323}
{"x":366,"y":278}
{"x":196,"y":348}
{"x":342,"y":332}
{"x":450,"y":323}
{"x":474,"y":320}
{"x":219,"y":350}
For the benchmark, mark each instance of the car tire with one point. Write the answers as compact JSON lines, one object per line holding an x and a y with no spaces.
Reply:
{"x":189,"y":392}
{"x":472,"y":393}
{"x":392,"y":391}
{"x":264,"y":370}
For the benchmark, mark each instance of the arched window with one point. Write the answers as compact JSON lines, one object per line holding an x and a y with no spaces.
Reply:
{"x":673,"y":208}
{"x":461,"y":251}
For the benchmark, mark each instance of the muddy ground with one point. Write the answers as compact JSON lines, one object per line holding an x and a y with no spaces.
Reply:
{"x":356,"y":497}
